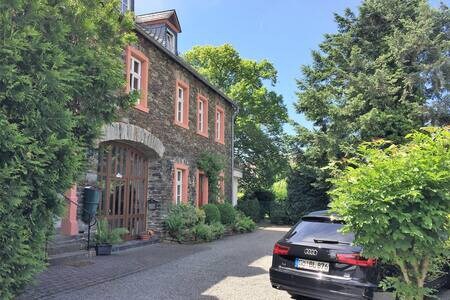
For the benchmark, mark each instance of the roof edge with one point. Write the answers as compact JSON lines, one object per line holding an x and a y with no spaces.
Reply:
{"x":184,"y":64}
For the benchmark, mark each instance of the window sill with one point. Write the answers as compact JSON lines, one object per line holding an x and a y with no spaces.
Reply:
{"x":203,"y":134}
{"x":220,"y":142}
{"x":142,"y":108}
{"x":183,"y":125}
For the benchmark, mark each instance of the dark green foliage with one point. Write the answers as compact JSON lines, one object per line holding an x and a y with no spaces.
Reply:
{"x":227,"y":213}
{"x":181,"y":219}
{"x":207,"y":233}
{"x":250,"y":207}
{"x":243,"y":223}
{"x":304,"y":193}
{"x":384,"y":73}
{"x":104,"y":235}
{"x":278,"y":213}
{"x":212,"y":213}
{"x":265,"y":198}
{"x":61,"y":75}
{"x":212,"y":164}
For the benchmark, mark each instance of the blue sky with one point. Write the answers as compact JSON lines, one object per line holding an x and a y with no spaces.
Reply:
{"x":284,"y":31}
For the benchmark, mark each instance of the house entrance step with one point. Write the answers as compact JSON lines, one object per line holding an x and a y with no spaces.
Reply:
{"x":67,"y":257}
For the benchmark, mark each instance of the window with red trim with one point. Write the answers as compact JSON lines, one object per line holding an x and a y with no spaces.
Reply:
{"x":180,"y":183}
{"x":137,"y":75}
{"x":220,"y":125}
{"x":202,"y":115}
{"x":182,"y":104}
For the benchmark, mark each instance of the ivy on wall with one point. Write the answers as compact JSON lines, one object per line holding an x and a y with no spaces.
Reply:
{"x":212,"y":164}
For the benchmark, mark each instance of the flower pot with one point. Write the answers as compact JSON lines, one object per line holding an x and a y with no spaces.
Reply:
{"x":103,"y":249}
{"x":144,"y":236}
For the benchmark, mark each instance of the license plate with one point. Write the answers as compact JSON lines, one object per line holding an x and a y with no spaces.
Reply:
{"x":312,"y":265}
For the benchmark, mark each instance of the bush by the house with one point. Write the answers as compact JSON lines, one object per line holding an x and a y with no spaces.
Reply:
{"x":278,"y":214}
{"x":212,"y":213}
{"x":207,"y":233}
{"x":181,"y":219}
{"x":243,"y":223}
{"x":250,"y":207}
{"x":227,"y":213}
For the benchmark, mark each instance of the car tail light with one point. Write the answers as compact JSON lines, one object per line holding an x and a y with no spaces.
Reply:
{"x":355,"y":259}
{"x":280,"y":250}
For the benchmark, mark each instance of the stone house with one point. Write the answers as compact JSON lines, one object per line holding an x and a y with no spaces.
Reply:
{"x":147,"y":160}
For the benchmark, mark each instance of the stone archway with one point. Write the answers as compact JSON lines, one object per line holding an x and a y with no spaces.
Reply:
{"x":134,"y":135}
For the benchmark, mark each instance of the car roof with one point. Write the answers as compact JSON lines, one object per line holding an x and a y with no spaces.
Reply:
{"x":322,"y":214}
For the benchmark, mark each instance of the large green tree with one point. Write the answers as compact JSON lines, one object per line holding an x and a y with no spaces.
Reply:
{"x":61,"y":75}
{"x":384,"y":73}
{"x":396,"y":200}
{"x":259,"y":124}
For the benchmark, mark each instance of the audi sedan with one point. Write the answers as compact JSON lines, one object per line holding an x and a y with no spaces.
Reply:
{"x":314,"y":259}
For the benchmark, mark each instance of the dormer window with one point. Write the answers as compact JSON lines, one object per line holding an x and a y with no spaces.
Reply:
{"x":170,"y":41}
{"x":126,"y":5}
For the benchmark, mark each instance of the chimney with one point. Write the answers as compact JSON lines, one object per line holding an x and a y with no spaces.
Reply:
{"x":163,"y":26}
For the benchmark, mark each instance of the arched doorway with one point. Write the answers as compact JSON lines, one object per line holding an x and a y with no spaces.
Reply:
{"x":122,"y":174}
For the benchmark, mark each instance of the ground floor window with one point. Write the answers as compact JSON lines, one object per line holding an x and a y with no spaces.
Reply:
{"x":180,"y":183}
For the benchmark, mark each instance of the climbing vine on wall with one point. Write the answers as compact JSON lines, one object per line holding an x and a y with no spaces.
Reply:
{"x":212,"y":164}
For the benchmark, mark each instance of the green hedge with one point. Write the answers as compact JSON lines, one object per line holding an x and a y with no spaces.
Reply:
{"x":227,"y":213}
{"x":250,"y":207}
{"x":212,"y":213}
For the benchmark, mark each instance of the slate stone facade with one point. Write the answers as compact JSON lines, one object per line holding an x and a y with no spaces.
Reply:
{"x":163,"y":142}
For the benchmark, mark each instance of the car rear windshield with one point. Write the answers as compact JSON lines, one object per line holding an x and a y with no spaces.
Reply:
{"x":319,"y":229}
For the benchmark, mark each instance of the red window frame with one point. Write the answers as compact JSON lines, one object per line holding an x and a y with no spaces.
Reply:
{"x":185,"y":178}
{"x":221,"y":125}
{"x":185,"y":122}
{"x":202,"y":99}
{"x":131,"y":52}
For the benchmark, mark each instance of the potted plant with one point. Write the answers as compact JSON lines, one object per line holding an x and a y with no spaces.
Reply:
{"x":146,"y":235}
{"x":105,"y":237}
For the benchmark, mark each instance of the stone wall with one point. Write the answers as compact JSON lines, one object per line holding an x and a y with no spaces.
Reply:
{"x":180,"y":145}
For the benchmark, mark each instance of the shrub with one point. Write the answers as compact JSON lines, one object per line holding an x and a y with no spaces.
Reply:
{"x":217,"y":230}
{"x":207,"y":233}
{"x":278,"y":214}
{"x":250,"y":207}
{"x":180,"y":219}
{"x":398,"y":197}
{"x":202,"y":232}
{"x":227,"y":213}
{"x":212,"y":213}
{"x":104,"y":235}
{"x":201,"y":216}
{"x":279,"y":189}
{"x":243,"y":223}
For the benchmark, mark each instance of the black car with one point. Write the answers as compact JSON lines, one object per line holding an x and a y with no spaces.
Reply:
{"x":315,"y":260}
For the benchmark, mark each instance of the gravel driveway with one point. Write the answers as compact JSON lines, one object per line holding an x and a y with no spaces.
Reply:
{"x":235,"y":267}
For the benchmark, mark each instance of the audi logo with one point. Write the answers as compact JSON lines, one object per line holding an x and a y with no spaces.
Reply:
{"x":309,"y":251}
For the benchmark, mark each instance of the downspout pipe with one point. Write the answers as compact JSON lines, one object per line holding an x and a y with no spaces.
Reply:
{"x":233,"y":120}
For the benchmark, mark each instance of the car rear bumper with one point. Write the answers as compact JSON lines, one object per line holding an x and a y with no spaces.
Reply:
{"x":319,"y":286}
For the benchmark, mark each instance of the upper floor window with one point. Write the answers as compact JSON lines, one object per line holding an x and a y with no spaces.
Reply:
{"x":180,"y":183}
{"x":202,"y":115}
{"x":170,"y":41}
{"x":126,"y":5}
{"x":137,"y":76}
{"x":182,"y":104}
{"x":220,"y":125}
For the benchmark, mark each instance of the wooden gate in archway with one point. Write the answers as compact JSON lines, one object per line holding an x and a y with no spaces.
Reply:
{"x":122,"y":174}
